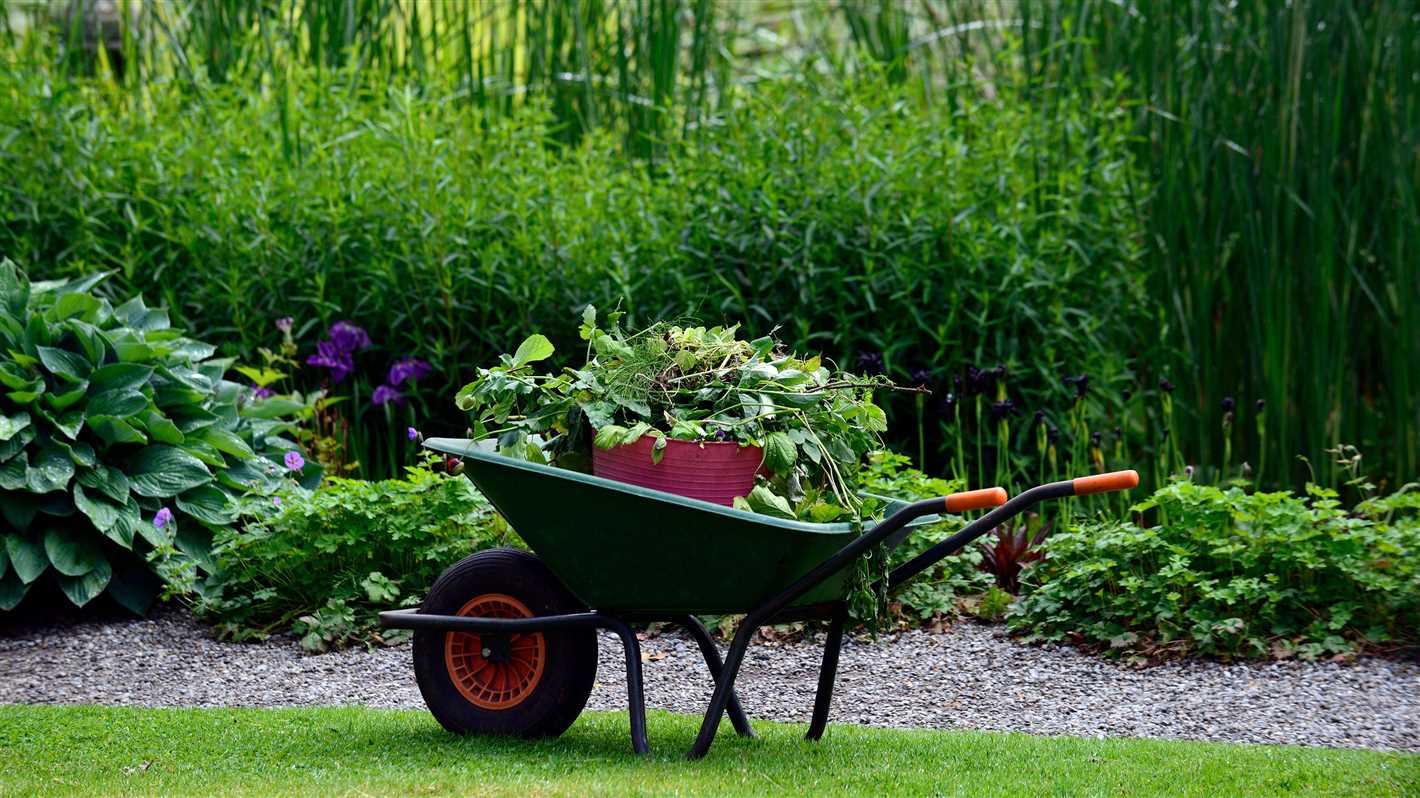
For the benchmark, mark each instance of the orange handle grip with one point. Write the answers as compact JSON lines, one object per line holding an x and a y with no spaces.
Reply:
{"x":1104,"y":483}
{"x":975,"y":500}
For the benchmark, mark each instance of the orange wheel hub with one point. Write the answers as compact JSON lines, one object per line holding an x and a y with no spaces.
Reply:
{"x":495,"y":671}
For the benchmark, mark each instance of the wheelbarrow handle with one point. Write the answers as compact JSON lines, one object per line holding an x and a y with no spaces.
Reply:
{"x":1105,"y":483}
{"x":975,"y":500}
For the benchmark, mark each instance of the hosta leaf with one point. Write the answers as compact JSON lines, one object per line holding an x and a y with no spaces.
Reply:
{"x":208,"y":503}
{"x":161,"y":471}
{"x":51,"y":470}
{"x":70,"y":395}
{"x":161,"y":428}
{"x":64,"y":365}
{"x":115,"y":430}
{"x":80,"y":452}
{"x":119,"y":403}
{"x":68,"y":424}
{"x":779,"y":453}
{"x":14,"y":377}
{"x":275,"y":407}
{"x":107,"y":480}
{"x":17,"y":444}
{"x":83,"y":589}
{"x":248,"y":477}
{"x":228,"y":442}
{"x":100,"y":510}
{"x":14,"y":288}
{"x":70,"y":553}
{"x":89,"y":339}
{"x":195,"y":541}
{"x":30,"y":392}
{"x":14,"y":474}
{"x":10,"y":425}
{"x":73,"y":304}
{"x":4,"y":557}
{"x":140,"y":317}
{"x":120,"y":377}
{"x":19,"y":509}
{"x":12,"y":591}
{"x":27,"y":556}
{"x":134,"y":586}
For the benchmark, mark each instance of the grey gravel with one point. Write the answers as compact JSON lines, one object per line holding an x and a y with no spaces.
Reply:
{"x":970,"y":676}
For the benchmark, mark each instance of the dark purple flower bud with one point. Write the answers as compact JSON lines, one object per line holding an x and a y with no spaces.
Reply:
{"x":1118,"y":432}
{"x":1126,"y":394}
{"x":1081,"y":383}
{"x":409,"y":369}
{"x":1229,"y":404}
{"x":387,"y":393}
{"x":1039,"y":418}
{"x":1261,"y":405}
{"x":1052,"y":433}
{"x":1095,"y":439}
{"x":976,"y":381}
{"x":1000,"y":411}
{"x":921,"y":377}
{"x":1165,"y":385}
{"x":870,"y":363}
{"x":348,"y":338}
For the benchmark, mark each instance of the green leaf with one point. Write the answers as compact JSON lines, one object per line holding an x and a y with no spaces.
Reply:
{"x":12,"y":591}
{"x":609,"y":437}
{"x":4,"y":558}
{"x":163,"y":471}
{"x":89,"y":340}
{"x":74,"y":304}
{"x":161,"y":428}
{"x":70,"y":553}
{"x":135,"y":587}
{"x":195,"y":541}
{"x":27,"y":395}
{"x":83,"y":589}
{"x":19,"y":509}
{"x":228,"y":442}
{"x":10,"y":425}
{"x":14,"y":288}
{"x":64,"y":365}
{"x":99,"y":510}
{"x":208,"y":503}
{"x":14,"y":377}
{"x":106,"y":479}
{"x":69,"y":424}
{"x":120,"y":377}
{"x":115,"y":430}
{"x":51,"y":470}
{"x":60,"y":401}
{"x":275,"y":407}
{"x":119,"y":403}
{"x":536,"y":347}
{"x":762,"y":500}
{"x":14,"y":474}
{"x":779,"y":453}
{"x":27,"y":556}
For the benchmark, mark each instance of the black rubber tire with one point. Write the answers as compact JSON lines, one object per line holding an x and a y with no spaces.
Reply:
{"x":571,"y":655}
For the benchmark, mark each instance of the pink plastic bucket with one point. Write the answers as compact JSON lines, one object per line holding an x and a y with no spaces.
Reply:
{"x":714,"y":472}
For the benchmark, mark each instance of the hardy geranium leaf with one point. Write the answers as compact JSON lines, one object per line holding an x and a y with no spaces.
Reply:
{"x":779,"y":453}
{"x":162,"y":471}
{"x":534,"y":348}
{"x":51,"y":470}
{"x":27,"y":556}
{"x":64,"y":365}
{"x":83,"y":589}
{"x":70,"y":553}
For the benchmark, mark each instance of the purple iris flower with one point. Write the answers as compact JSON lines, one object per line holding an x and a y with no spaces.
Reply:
{"x":410,"y":369}
{"x":294,"y":461}
{"x":163,"y":519}
{"x":347,"y":337}
{"x":330,"y":357}
{"x":387,"y":393}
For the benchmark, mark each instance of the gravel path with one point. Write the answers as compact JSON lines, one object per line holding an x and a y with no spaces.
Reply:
{"x":967,"y":677}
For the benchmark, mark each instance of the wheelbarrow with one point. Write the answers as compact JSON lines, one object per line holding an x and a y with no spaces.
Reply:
{"x":505,"y":643}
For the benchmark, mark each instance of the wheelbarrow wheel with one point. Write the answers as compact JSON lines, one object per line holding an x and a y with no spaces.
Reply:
{"x":525,"y":685}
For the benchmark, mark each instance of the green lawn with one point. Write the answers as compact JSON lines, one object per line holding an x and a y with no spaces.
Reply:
{"x":104,"y":750}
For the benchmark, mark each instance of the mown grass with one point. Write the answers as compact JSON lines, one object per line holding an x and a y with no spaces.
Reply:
{"x":106,"y":751}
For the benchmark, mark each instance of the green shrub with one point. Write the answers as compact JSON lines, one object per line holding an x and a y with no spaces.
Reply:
{"x":323,"y":563}
{"x":1233,"y":574}
{"x":120,"y":442}
{"x":859,"y":218}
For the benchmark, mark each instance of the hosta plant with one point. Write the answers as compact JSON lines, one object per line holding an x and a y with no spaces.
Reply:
{"x":690,"y":383}
{"x":121,"y":445}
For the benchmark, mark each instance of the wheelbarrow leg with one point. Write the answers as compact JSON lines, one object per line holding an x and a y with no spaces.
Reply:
{"x":712,"y":660}
{"x":635,"y":693}
{"x":827,"y":673}
{"x":724,"y":687}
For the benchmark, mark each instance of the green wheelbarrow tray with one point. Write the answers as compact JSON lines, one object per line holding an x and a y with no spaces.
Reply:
{"x":627,"y":549}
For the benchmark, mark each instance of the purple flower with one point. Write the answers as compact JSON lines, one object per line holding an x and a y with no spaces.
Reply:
{"x":276,"y":501}
{"x":285,"y":323}
{"x":163,"y":519}
{"x":387,"y":393}
{"x":347,"y":337}
{"x":870,"y":363}
{"x":294,"y":461}
{"x":258,"y":392}
{"x":330,"y":357}
{"x":921,"y":377}
{"x":410,"y":369}
{"x":412,"y":434}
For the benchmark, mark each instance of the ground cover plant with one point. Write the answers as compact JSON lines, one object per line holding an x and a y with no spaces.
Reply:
{"x":321,"y":564}
{"x":123,"y":446}
{"x":1229,"y":573}
{"x":114,"y":750}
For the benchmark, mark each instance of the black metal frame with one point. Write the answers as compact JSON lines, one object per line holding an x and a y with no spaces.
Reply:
{"x":775,"y":609}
